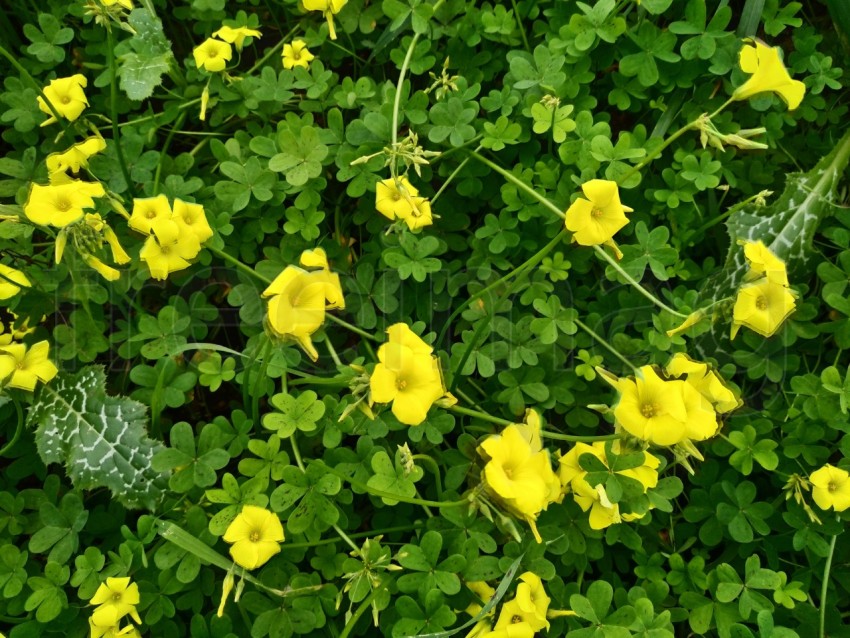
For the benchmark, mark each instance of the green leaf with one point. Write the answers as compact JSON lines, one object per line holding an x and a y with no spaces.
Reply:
{"x":301,"y":157}
{"x":294,"y":413}
{"x":145,"y":57}
{"x":100,"y":439}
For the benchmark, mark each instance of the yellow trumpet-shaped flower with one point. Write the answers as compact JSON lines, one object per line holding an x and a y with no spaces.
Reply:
{"x":411,"y":382}
{"x":762,"y":307}
{"x":296,"y":54}
{"x":768,"y":75}
{"x":212,"y":55}
{"x":61,"y":204}
{"x":533,"y":601}
{"x":513,"y":622}
{"x":651,"y":408}
{"x":191,"y":219}
{"x":116,"y":598}
{"x":597,"y":219}
{"x":74,"y":158}
{"x":764,"y":263}
{"x":831,"y":488}
{"x":127,"y":4}
{"x":394,"y":197}
{"x":164,"y":259}
{"x":329,"y":8}
{"x":9,"y":275}
{"x":255,"y":535}
{"x":22,"y":367}
{"x":236,"y":35}
{"x":67,"y":97}
{"x":705,"y":380}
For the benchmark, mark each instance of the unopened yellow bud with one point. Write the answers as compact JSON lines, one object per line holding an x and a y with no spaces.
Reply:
{"x":226,"y":588}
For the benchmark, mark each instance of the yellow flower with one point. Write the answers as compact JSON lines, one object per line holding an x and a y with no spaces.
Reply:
{"x":651,"y":408}
{"x":107,"y":272}
{"x":296,"y":54}
{"x":768,"y":75}
{"x":113,"y":631}
{"x":115,"y":598}
{"x":61,"y":204}
{"x":256,"y":534}
{"x":831,"y":488}
{"x":420,"y":213}
{"x":190,"y":218}
{"x":483,"y":592}
{"x":75,"y":157}
{"x":530,"y":429}
{"x":299,"y":299}
{"x":162,"y":260}
{"x":127,"y":4}
{"x":512,"y":622}
{"x":762,"y":307}
{"x":119,"y":255}
{"x":22,"y":368}
{"x":412,"y":382}
{"x":236,"y":36}
{"x":596,"y":219}
{"x":393,"y":198}
{"x":533,"y":601}
{"x":328,"y":8}
{"x":67,"y":97}
{"x":705,"y":380}
{"x":212,"y":55}
{"x":764,"y":262}
{"x":7,"y":288}
{"x":153,"y":215}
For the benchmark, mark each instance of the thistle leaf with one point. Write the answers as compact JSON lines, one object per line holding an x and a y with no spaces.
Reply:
{"x":101,"y":439}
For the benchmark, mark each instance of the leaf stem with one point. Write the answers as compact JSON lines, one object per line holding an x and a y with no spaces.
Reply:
{"x":355,"y":617}
{"x":824,"y":588}
{"x":513,"y":179}
{"x":390,"y":495}
{"x":434,"y":467}
{"x":20,"y":428}
{"x":113,"y":109}
{"x":26,"y":74}
{"x":604,"y":343}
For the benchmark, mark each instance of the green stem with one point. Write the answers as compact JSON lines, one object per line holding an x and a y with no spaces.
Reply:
{"x":522,"y":268}
{"x":255,"y":391}
{"x":633,"y":282}
{"x":353,"y":328}
{"x":483,"y":416}
{"x":148,"y":118}
{"x":345,"y":537}
{"x":604,"y":343}
{"x":520,"y":26}
{"x":20,"y":428}
{"x":332,"y":351}
{"x":162,"y":152}
{"x":26,"y":74}
{"x":450,"y":178}
{"x":721,"y":217}
{"x":297,"y":453}
{"x":369,"y":534}
{"x":513,"y":179}
{"x":388,"y":495}
{"x":824,"y":588}
{"x":367,"y":602}
{"x":435,"y":468}
{"x":311,"y":380}
{"x":575,"y":438}
{"x":404,"y":65}
{"x":113,"y":109}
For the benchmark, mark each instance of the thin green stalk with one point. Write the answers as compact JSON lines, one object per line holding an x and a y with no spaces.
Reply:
{"x":483,"y":416}
{"x":633,"y":282}
{"x":389,"y":495}
{"x":332,"y":351}
{"x":575,"y":438}
{"x":370,"y":534}
{"x":824,"y":588}
{"x":604,"y":343}
{"x":520,"y":26}
{"x":404,"y":65}
{"x":20,"y":428}
{"x":345,"y":537}
{"x":716,"y":220}
{"x":367,"y":602}
{"x":296,"y":453}
{"x":148,"y":118}
{"x":522,"y":268}
{"x":255,"y":390}
{"x":435,"y":468}
{"x":450,"y":178}
{"x":26,"y":74}
{"x":353,"y":328}
{"x":113,"y":108}
{"x":162,"y":152}
{"x":513,"y":179}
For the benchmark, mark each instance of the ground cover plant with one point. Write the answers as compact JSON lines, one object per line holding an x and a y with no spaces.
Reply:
{"x":424,"y":318}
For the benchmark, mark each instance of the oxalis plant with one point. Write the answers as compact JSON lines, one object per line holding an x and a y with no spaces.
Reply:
{"x":424,"y":318}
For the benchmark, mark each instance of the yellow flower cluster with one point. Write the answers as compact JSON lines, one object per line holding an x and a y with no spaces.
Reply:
{"x":597,"y":219}
{"x":518,"y":472}
{"x":408,"y":375}
{"x":299,"y":299}
{"x":521,"y":617}
{"x":328,"y":8}
{"x":399,"y":199}
{"x":67,"y":97}
{"x":296,"y":54}
{"x":255,"y":535}
{"x":603,"y":513}
{"x":61,"y":204}
{"x":678,"y":409}
{"x":174,"y":235}
{"x":768,"y":75}
{"x":213,"y":54}
{"x":831,"y":488}
{"x":764,"y":304}
{"x":115,"y":598}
